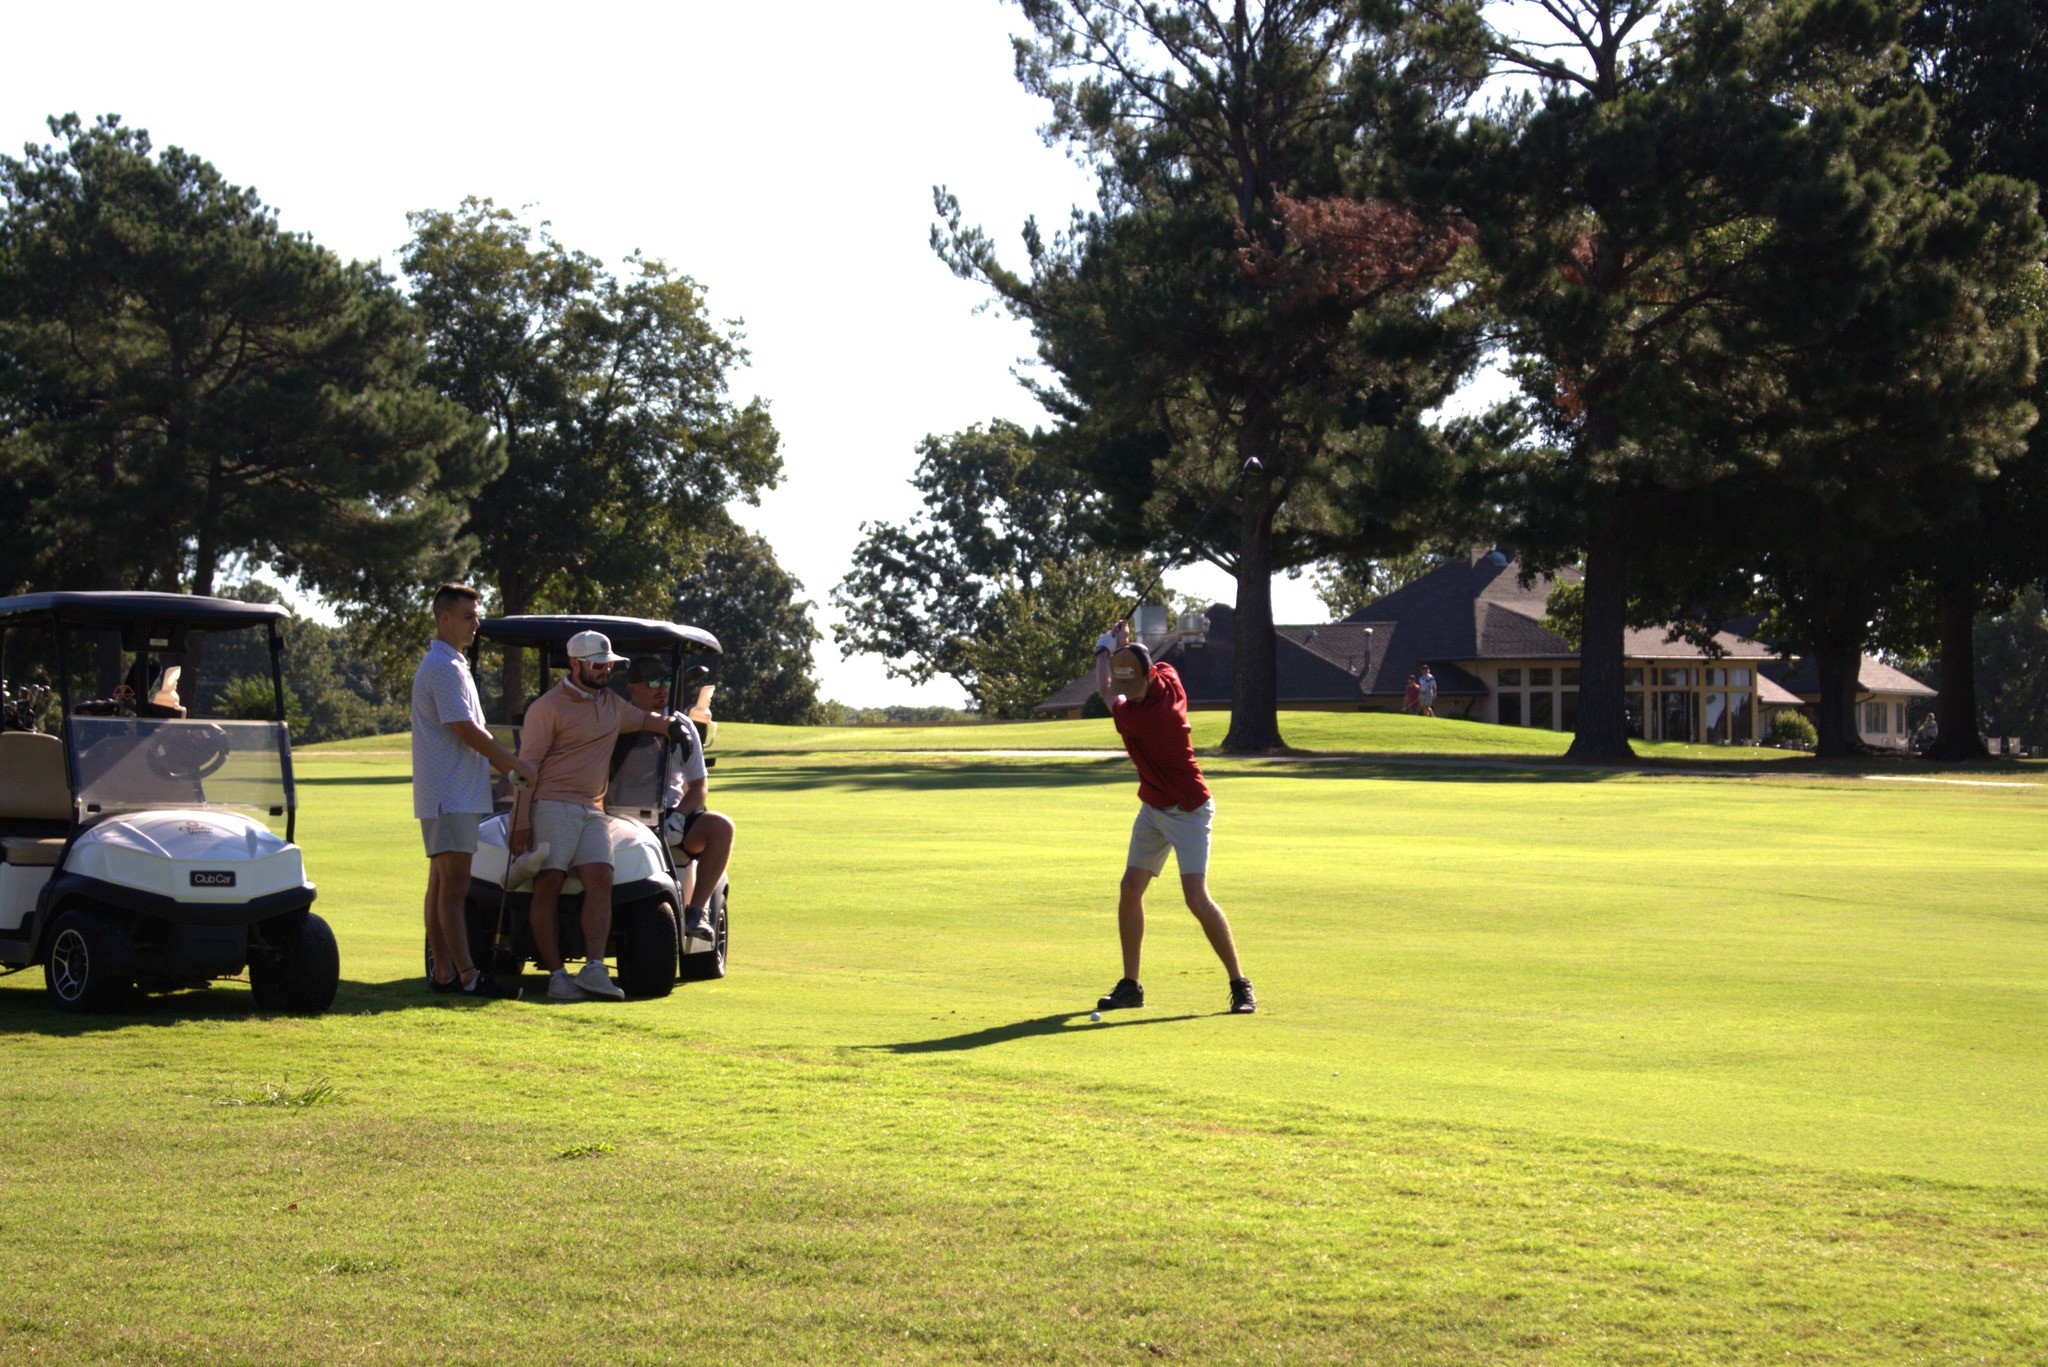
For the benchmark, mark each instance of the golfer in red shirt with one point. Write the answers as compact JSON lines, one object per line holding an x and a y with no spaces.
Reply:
{"x":1150,"y":709}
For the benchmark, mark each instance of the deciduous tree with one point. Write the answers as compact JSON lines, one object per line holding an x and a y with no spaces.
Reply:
{"x":183,"y":383}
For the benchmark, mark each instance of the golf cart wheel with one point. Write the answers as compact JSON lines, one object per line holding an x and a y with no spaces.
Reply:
{"x":647,"y":948}
{"x":709,"y":965}
{"x":295,"y":967}
{"x":91,"y":966}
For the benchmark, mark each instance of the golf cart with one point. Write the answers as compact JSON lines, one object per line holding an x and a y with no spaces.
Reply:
{"x":144,"y":845}
{"x":516,"y":659}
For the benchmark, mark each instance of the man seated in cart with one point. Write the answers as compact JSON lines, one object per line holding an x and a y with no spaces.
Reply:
{"x":704,"y":837}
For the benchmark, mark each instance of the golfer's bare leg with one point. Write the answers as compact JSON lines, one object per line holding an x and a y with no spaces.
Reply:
{"x":597,"y":907}
{"x":448,"y":930}
{"x":1195,"y":887}
{"x":1130,"y":917}
{"x":437,"y":943}
{"x":547,"y":942}
{"x":709,"y":843}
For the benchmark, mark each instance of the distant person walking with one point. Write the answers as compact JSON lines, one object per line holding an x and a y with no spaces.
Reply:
{"x":1175,"y":811}
{"x":1411,"y":697}
{"x":1426,"y":700}
{"x":452,"y":759}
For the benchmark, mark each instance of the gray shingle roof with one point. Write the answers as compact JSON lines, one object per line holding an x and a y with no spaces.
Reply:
{"x":1473,"y":609}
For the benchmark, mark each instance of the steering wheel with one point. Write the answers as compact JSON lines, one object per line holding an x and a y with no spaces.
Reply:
{"x":188,"y":752}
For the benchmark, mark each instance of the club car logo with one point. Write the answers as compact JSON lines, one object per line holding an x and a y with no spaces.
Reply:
{"x":213,"y":878}
{"x":198,"y":828}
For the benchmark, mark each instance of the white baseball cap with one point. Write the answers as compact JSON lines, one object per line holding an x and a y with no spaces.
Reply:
{"x":593,"y":647}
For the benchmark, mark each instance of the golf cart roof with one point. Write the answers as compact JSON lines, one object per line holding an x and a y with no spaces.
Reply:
{"x":113,"y":610}
{"x":626,"y":633}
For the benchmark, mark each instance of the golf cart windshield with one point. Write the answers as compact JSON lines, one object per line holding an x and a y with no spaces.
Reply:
{"x":128,"y":764}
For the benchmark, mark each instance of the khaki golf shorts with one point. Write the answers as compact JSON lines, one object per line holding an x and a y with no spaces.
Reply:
{"x":1159,"y":829}
{"x":574,"y":834}
{"x":450,"y":833}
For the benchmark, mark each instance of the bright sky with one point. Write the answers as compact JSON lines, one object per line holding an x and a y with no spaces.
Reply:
{"x":783,"y":155}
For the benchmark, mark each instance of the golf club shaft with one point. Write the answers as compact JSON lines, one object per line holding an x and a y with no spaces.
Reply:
{"x":1251,"y":464}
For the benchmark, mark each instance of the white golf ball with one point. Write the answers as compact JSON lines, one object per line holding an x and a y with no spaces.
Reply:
{"x":1095,"y":1015}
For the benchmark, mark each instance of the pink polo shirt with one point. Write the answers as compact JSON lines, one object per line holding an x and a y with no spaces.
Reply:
{"x":568,"y":736}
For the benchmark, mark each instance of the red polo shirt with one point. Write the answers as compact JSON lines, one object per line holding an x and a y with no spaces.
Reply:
{"x":1157,"y":738}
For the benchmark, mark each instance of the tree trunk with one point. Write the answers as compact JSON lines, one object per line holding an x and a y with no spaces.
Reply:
{"x":1835,"y":714}
{"x":205,"y":568}
{"x":512,"y":595}
{"x":1254,"y":684}
{"x":1957,"y":733}
{"x":1602,"y":734}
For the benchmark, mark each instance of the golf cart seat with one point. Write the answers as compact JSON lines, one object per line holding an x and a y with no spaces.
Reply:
{"x":33,"y":784}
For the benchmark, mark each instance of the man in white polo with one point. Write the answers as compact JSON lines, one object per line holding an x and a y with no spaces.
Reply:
{"x":452,"y":758}
{"x":568,"y":736}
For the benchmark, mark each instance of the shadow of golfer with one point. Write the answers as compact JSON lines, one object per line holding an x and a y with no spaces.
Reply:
{"x":1003,"y":1034}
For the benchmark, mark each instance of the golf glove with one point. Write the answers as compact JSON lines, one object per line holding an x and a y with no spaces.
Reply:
{"x":1105,"y":642}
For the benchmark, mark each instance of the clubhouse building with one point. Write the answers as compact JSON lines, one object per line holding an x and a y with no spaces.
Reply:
{"x":1483,"y":635}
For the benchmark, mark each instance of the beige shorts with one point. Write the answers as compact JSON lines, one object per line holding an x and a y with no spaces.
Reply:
{"x":1159,"y":829}
{"x":450,"y":833}
{"x":574,"y":834}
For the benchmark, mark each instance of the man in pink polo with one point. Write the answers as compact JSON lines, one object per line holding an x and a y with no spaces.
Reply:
{"x":568,"y":735}
{"x":1150,"y":708}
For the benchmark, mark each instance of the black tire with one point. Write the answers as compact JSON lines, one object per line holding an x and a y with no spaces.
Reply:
{"x":709,"y":965}
{"x":91,"y":963}
{"x":647,"y":948}
{"x":294,"y":966}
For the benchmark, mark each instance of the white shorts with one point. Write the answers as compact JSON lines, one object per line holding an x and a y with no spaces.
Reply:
{"x":1159,"y":829}
{"x":574,"y":834}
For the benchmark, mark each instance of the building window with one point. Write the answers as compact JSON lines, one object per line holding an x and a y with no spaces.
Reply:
{"x":1540,"y":707}
{"x":1675,"y":713}
{"x":1714,"y":714}
{"x":1741,"y":715}
{"x":1568,"y":710}
{"x":1539,"y":678}
{"x":1569,"y":676}
{"x":1510,"y":709}
{"x":1511,"y":678}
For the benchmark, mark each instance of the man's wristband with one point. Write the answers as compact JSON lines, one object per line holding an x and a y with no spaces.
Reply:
{"x":1105,"y":642}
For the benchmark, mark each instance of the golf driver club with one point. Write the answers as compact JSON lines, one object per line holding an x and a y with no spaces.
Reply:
{"x":1251,"y":463}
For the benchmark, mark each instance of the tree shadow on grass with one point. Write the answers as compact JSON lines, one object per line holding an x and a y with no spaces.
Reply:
{"x":952,"y":775}
{"x":346,"y":781}
{"x":29,"y":1012}
{"x":933,"y":776}
{"x":1025,"y":1029}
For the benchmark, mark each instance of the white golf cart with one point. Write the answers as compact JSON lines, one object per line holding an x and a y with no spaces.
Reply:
{"x":516,"y":660}
{"x":143,"y":846}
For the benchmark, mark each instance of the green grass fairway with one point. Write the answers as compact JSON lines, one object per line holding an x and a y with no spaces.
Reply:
{"x":1551,"y":1064}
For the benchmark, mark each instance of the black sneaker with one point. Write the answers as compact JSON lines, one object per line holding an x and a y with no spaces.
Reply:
{"x":487,"y":986}
{"x":434,"y":984}
{"x":697,"y":925}
{"x":1126,"y":993}
{"x":1243,"y":1001}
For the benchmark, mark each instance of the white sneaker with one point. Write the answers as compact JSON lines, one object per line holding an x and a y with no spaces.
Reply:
{"x":595,"y":981}
{"x":563,"y":988}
